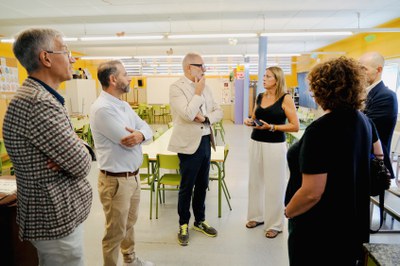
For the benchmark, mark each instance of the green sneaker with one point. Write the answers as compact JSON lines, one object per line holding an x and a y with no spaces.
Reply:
{"x":205,"y":228}
{"x":183,"y":235}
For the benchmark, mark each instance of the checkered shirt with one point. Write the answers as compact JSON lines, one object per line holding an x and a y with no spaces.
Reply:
{"x":36,"y":129}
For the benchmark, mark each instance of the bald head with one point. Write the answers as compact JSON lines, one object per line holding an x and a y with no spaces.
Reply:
{"x":372,"y":63}
{"x":193,"y":66}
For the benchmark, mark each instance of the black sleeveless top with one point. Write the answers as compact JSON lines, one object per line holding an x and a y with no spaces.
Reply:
{"x":273,"y":114}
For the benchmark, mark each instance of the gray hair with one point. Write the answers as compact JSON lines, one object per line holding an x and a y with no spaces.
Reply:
{"x":29,"y":43}
{"x":188,"y":58}
{"x":105,"y":70}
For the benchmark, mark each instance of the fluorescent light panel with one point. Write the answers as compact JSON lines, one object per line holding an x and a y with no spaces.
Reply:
{"x":122,"y":38}
{"x":211,"y":36}
{"x":274,"y":55}
{"x":7,"y":40}
{"x":104,"y":57}
{"x":307,"y":33}
{"x":70,"y":39}
{"x":158,"y":56}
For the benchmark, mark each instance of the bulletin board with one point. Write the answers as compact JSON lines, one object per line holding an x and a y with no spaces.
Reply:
{"x":8,"y":75}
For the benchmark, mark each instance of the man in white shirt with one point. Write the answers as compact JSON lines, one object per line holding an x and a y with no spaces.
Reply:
{"x":118,"y":133}
{"x":194,"y":111}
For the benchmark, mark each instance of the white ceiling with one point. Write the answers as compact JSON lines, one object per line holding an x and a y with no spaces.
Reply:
{"x":78,"y":18}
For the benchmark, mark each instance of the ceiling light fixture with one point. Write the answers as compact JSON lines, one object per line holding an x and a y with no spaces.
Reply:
{"x":211,"y":36}
{"x":275,"y":55}
{"x":216,"y":55}
{"x":70,"y":39}
{"x":7,"y":40}
{"x":104,"y":57}
{"x":121,"y":38}
{"x":307,"y":33}
{"x":158,"y":56}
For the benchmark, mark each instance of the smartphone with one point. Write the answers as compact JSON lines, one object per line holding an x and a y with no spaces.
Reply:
{"x":257,"y":122}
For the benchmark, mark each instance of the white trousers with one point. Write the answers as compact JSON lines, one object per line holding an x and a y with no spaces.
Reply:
{"x":267,"y":183}
{"x":66,"y":251}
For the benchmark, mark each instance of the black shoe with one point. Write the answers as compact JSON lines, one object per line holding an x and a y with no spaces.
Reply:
{"x":205,"y":228}
{"x":183,"y":235}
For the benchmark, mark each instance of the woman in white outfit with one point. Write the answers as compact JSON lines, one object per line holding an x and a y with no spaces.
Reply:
{"x":274,"y":114}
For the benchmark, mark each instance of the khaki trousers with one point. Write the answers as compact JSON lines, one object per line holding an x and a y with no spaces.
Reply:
{"x":120,"y":197}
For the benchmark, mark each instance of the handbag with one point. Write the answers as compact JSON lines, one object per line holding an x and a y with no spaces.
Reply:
{"x":380,"y":177}
{"x":379,"y":182}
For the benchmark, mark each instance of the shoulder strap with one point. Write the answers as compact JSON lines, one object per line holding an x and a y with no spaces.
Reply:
{"x":283,"y":96}
{"x":381,"y":208}
{"x":259,"y":97}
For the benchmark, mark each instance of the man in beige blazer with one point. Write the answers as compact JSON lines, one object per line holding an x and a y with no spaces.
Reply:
{"x":194,"y":111}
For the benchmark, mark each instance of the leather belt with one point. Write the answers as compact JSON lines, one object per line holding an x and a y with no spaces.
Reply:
{"x":123,"y":174}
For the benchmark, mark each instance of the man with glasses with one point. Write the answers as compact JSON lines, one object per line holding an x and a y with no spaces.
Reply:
{"x":50,"y":161}
{"x":193,"y":111}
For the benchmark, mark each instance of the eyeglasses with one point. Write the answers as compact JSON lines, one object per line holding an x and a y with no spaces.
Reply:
{"x":69,"y":53}
{"x":202,"y":66}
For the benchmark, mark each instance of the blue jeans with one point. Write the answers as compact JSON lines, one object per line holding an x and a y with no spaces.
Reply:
{"x":194,"y":169}
{"x":66,"y":251}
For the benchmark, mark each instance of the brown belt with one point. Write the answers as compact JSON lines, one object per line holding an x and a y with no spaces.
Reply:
{"x":123,"y":174}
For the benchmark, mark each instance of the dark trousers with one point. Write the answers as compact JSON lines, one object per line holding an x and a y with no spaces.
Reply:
{"x":194,"y":169}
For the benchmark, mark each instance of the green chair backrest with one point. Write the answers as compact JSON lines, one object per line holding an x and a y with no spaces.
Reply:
{"x":168,"y":161}
{"x":3,"y":150}
{"x":145,"y":163}
{"x":226,"y":151}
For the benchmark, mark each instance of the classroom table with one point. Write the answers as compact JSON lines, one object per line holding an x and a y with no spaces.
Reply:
{"x":160,"y":146}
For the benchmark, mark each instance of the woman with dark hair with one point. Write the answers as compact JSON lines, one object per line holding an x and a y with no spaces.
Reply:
{"x":274,"y":114}
{"x":327,"y":197}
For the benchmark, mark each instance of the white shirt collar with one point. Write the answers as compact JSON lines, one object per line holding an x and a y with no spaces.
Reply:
{"x":188,"y":80}
{"x":111,"y":98}
{"x":370,"y":87}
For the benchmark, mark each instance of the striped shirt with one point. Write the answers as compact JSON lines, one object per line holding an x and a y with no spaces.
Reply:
{"x":36,"y":129}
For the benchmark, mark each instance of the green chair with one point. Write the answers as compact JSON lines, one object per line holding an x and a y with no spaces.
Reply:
{"x":147,"y":180}
{"x":6,"y":166}
{"x":143,"y":112}
{"x":167,"y":113}
{"x":218,"y":127}
{"x":158,"y":114}
{"x":86,"y":135}
{"x":167,"y":181}
{"x":214,"y":176}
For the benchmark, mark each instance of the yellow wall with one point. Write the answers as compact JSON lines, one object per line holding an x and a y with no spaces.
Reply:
{"x":388,"y":44}
{"x":291,"y":80}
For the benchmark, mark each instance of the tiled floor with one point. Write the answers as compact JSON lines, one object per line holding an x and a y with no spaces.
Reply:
{"x":234,"y":245}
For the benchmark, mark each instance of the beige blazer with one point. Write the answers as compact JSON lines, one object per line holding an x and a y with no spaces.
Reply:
{"x":185,"y":105}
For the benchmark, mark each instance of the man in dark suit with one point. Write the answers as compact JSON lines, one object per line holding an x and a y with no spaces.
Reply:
{"x":381,"y":105}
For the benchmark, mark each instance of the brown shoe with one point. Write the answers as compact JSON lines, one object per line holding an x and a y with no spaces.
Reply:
{"x":271,"y":233}
{"x":253,"y":224}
